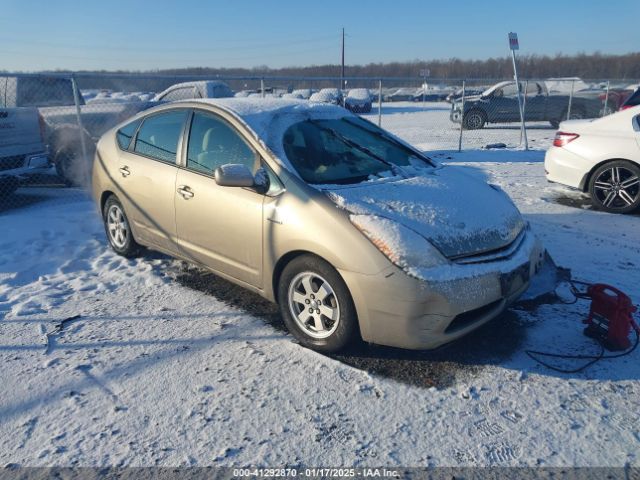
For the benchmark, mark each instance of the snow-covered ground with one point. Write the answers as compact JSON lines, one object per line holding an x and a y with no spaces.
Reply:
{"x":108,"y":361}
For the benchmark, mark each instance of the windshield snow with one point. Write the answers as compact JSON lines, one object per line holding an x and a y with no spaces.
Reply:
{"x":345,"y":151}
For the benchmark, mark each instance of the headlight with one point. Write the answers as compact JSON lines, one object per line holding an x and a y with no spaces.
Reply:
{"x":401,"y":245}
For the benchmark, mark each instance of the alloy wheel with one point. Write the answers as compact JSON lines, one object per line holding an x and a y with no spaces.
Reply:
{"x":117,"y":226}
{"x":617,"y":188}
{"x":314,"y":305}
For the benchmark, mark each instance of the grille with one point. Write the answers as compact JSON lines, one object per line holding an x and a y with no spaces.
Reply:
{"x":9,"y":163}
{"x":492,"y":255}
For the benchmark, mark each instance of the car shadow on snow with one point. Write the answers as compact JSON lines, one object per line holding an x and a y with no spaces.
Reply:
{"x":491,"y":344}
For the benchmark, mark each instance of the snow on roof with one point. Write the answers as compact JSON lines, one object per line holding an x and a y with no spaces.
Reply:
{"x":269,"y":118}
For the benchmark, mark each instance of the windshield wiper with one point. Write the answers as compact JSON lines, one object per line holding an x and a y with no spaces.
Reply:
{"x":394,"y":168}
{"x":390,"y":139}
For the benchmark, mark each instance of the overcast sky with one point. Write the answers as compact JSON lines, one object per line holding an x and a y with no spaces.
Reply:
{"x":141,"y":35}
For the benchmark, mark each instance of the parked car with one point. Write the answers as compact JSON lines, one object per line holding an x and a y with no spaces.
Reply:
{"x":303,"y":93}
{"x":22,"y":147}
{"x":198,"y":89}
{"x":244,"y":93}
{"x":327,"y":95}
{"x":499,"y":104}
{"x":601,"y":157}
{"x":400,"y":95}
{"x":349,"y":229}
{"x":468,"y":92}
{"x":358,"y":100}
{"x":430,"y":95}
{"x":632,"y":101}
{"x":54,"y":99}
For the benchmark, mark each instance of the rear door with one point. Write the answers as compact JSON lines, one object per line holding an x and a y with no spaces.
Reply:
{"x":147,"y":177}
{"x":535,"y":102}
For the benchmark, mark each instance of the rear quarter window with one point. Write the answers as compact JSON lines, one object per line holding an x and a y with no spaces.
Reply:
{"x":126,"y":133}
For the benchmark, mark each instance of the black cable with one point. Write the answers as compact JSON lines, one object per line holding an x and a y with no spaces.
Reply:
{"x":592,"y":358}
{"x":578,"y":294}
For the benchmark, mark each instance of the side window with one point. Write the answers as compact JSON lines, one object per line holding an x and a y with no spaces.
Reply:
{"x":509,"y":90}
{"x":213,"y":142}
{"x":181,"y":94}
{"x":533,"y":89}
{"x":159,"y":135}
{"x":125,"y":134}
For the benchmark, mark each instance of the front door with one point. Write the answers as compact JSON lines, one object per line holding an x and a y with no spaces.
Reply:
{"x":220,"y":227}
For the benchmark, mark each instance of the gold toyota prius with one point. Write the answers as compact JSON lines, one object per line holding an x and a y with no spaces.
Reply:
{"x":349,"y":229}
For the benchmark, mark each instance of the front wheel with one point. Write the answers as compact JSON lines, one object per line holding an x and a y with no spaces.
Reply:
{"x":474,"y":120}
{"x":615,"y":187}
{"x":316,"y":305}
{"x":118,"y":229}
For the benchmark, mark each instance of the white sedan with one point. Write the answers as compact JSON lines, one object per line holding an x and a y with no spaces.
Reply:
{"x":601,"y":157}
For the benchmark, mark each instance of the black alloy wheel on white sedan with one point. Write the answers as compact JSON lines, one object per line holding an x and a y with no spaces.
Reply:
{"x":615,"y":187}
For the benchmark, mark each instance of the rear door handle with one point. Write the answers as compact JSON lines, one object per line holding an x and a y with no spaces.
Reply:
{"x":185,"y":191}
{"x":125,"y":171}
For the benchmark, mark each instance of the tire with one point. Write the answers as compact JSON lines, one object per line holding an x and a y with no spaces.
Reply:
{"x":71,"y":166}
{"x":337,"y":317}
{"x":474,"y":120}
{"x":72,"y":169}
{"x":118,"y":229}
{"x":64,"y":160}
{"x":8,"y":186}
{"x":615,"y":187}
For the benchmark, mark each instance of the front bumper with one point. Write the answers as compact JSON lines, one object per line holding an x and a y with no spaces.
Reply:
{"x":455,"y":115}
{"x":397,"y":310}
{"x":24,"y":166}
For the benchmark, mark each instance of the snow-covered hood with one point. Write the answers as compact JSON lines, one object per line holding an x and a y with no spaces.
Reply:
{"x":457,"y":213}
{"x":471,"y":98}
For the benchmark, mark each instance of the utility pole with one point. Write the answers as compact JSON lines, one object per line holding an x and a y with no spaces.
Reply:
{"x":342,"y":70}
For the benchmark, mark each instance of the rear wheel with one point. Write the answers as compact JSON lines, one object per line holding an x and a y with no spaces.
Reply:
{"x":118,"y":229}
{"x":65,"y":160}
{"x":316,"y":305}
{"x":615,"y":187}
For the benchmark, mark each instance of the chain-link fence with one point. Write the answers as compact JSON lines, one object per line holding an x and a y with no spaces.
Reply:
{"x":49,"y":123}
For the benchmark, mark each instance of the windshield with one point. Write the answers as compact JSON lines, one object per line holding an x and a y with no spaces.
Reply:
{"x":346,"y":150}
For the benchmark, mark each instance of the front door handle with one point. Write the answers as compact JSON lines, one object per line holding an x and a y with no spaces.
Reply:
{"x":185,"y":191}
{"x":125,"y":171}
